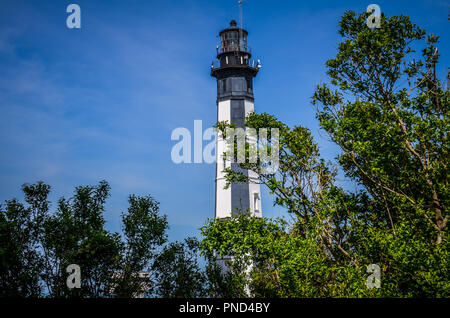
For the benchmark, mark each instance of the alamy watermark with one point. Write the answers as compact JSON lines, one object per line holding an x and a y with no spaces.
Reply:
{"x":374,"y":19}
{"x":73,"y":21}
{"x":374,"y":279}
{"x":74,"y":278}
{"x":241,"y":145}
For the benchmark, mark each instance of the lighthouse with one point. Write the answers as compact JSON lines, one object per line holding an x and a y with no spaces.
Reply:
{"x":234,"y":72}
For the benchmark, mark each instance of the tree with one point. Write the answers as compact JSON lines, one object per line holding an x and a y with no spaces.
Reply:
{"x":145,"y":231}
{"x":75,"y":234}
{"x":393,"y":136}
{"x":389,"y":114}
{"x":19,"y":261}
{"x":37,"y":245}
{"x":177,"y":272}
{"x":394,"y":142}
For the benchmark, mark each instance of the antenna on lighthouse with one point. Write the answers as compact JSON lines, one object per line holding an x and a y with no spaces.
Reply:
{"x":241,"y":36}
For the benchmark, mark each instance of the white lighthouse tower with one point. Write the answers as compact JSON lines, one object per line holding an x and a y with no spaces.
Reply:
{"x":234,"y":74}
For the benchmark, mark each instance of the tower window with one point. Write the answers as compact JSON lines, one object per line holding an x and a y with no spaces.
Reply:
{"x":256,"y":202}
{"x":249,"y":85}
{"x":223,"y":86}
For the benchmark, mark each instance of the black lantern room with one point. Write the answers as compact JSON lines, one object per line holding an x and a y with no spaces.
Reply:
{"x":234,"y":70}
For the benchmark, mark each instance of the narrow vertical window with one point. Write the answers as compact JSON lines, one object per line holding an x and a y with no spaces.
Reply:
{"x":256,"y":202}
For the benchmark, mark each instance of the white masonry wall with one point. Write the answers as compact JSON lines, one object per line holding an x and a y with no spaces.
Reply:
{"x":223,"y":196}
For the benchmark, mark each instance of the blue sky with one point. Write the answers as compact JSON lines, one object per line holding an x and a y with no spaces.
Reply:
{"x":80,"y":106}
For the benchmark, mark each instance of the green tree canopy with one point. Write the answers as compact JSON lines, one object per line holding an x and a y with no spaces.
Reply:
{"x":37,"y":245}
{"x":388,"y":112}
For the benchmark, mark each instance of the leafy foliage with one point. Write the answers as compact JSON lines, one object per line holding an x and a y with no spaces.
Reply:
{"x":37,"y":246}
{"x":389,"y":114}
{"x":177,"y":271}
